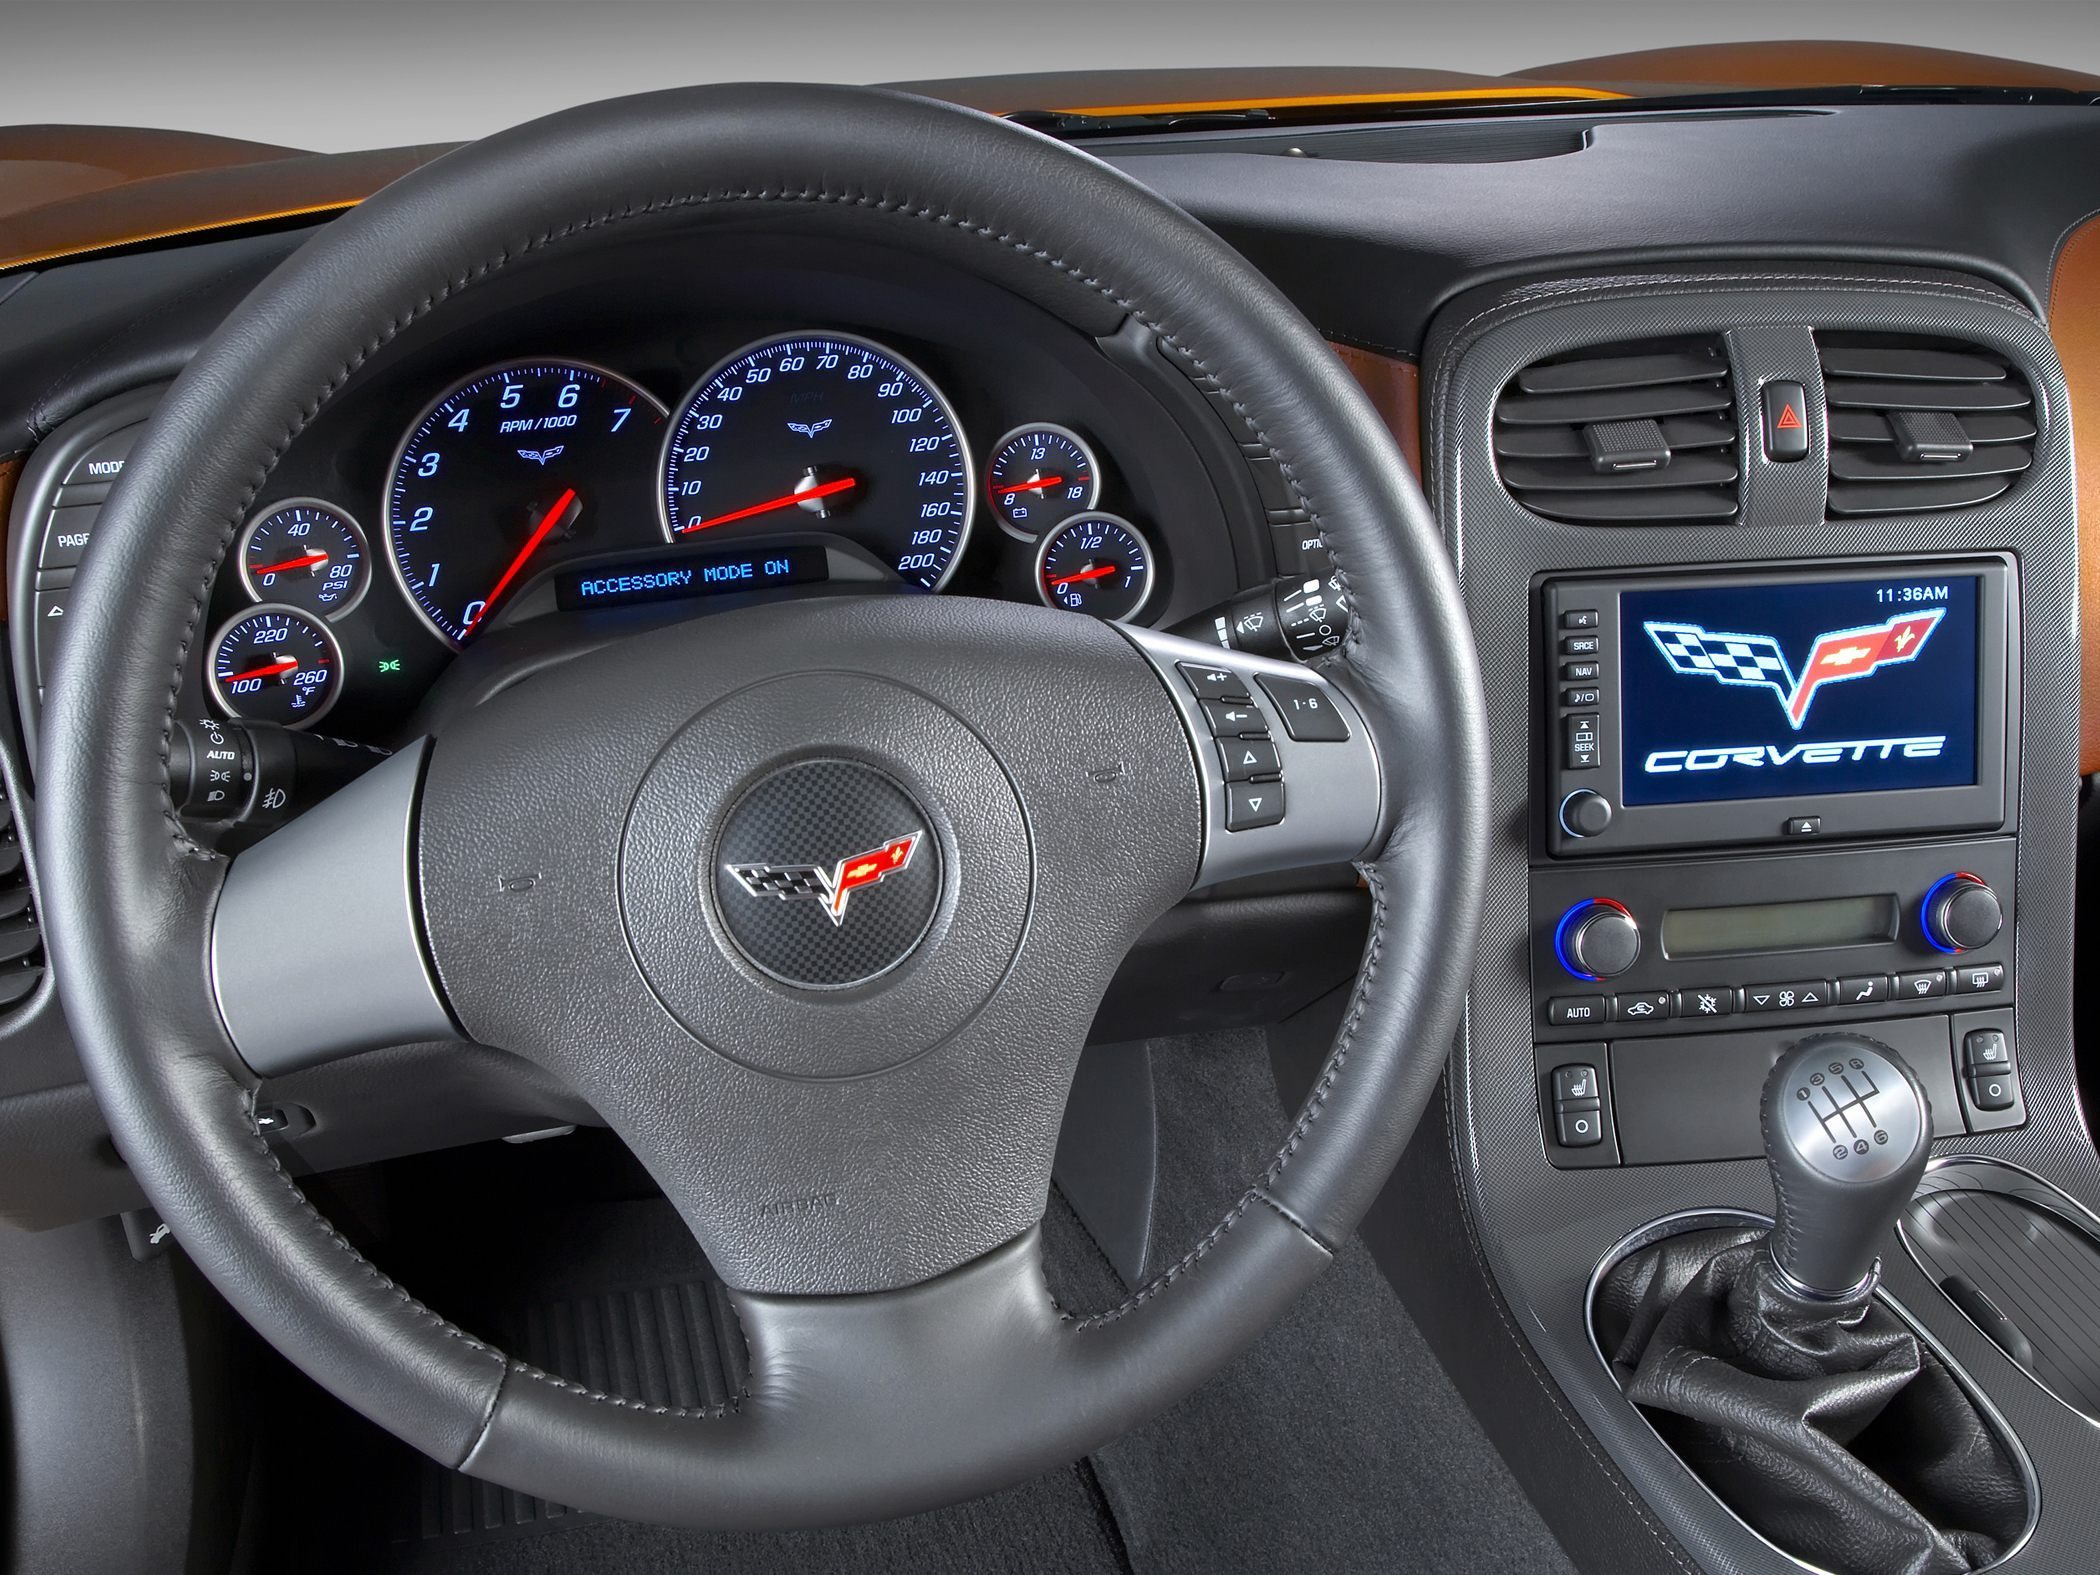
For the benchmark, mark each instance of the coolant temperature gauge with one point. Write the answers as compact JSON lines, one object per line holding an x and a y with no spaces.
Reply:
{"x":275,"y":664}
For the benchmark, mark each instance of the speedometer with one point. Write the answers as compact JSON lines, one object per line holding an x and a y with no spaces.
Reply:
{"x":824,"y":432}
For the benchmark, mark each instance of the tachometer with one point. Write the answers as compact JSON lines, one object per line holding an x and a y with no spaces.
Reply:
{"x":509,"y":469}
{"x":824,"y":432}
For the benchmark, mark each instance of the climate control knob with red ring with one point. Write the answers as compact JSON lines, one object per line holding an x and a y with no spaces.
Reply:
{"x":1598,"y":938}
{"x":1961,"y":913}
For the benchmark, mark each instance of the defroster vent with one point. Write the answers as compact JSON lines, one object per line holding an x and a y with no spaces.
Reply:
{"x":1628,"y":435}
{"x":1917,"y":426}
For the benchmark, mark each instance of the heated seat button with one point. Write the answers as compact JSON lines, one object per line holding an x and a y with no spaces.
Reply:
{"x":1251,"y":805}
{"x":1245,"y":759}
{"x":1786,"y":421}
{"x":1308,"y":710}
{"x":1986,"y":1050}
{"x":1575,"y":1088}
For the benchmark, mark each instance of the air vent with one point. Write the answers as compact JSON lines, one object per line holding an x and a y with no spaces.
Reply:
{"x":1630,"y":435}
{"x":21,"y":938}
{"x":1916,"y":427}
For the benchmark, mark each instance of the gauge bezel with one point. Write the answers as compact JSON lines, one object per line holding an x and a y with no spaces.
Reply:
{"x":1093,"y":463}
{"x":415,"y":425}
{"x":676,"y":418}
{"x":1049,"y":537}
{"x":211,"y":658}
{"x":270,"y":511}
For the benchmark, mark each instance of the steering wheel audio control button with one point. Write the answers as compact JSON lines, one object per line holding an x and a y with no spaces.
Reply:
{"x":1309,"y":715}
{"x":1252,"y":805}
{"x":1214,"y":683}
{"x":1248,"y":759}
{"x":1235,"y":719}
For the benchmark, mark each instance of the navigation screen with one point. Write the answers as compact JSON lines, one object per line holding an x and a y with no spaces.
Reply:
{"x":1779,"y":690}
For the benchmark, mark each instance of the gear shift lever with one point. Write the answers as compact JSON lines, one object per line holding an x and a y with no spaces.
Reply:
{"x":1847,"y":1130}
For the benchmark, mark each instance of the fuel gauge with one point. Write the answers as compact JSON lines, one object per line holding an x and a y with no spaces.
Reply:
{"x":1095,"y":563}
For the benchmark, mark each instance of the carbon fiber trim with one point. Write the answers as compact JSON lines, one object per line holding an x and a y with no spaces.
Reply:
{"x":1544,"y":1231}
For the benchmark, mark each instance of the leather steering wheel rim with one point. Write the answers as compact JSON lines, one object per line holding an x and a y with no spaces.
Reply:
{"x":1017,"y":1386}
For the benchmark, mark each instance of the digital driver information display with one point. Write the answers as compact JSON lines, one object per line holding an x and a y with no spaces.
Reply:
{"x":1772,"y":690}
{"x":693,"y":574}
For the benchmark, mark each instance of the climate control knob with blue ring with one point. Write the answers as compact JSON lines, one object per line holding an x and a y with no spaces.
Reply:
{"x":1960,"y":913}
{"x":1597,"y":939}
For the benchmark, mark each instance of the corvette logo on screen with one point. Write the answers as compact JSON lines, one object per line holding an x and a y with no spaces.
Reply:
{"x":1755,"y":661}
{"x":835,"y":884}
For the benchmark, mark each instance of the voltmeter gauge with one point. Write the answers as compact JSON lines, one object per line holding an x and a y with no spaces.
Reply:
{"x":306,"y":554}
{"x":275,"y":663}
{"x":1095,"y":563}
{"x":1041,"y":474}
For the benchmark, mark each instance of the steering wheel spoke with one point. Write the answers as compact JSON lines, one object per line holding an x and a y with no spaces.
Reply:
{"x":1290,"y":772}
{"x":316,"y":940}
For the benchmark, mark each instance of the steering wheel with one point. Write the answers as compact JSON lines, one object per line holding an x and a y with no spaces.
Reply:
{"x":817,"y":915}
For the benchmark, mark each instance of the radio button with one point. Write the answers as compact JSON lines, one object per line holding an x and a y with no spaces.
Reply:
{"x":1975,"y":978}
{"x":1716,"y":1001}
{"x":1580,"y":748}
{"x":1920,"y":986}
{"x":1581,"y":645}
{"x":1864,"y":990}
{"x":1581,"y":672}
{"x":1646,"y":1007}
{"x":1579,"y":618}
{"x":1568,"y":1011}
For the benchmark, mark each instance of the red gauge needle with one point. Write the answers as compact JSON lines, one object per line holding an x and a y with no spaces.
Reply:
{"x":806,"y":495}
{"x":305,"y":562}
{"x":283,"y":664}
{"x":1099,"y":572}
{"x":540,"y":532}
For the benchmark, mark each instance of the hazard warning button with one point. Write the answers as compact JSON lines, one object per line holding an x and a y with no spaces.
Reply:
{"x":1786,"y":421}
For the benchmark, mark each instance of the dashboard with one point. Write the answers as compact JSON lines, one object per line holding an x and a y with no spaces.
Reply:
{"x":669,"y":437}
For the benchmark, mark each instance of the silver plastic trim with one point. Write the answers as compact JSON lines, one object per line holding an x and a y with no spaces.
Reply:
{"x":1334,"y":794}
{"x":1720,"y":1218}
{"x":340,"y":878}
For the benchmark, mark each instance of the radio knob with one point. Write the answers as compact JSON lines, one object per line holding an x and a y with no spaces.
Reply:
{"x":1961,"y":913}
{"x":1584,"y":813}
{"x":1597,"y":939}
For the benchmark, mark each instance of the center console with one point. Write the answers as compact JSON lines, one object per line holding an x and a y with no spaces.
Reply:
{"x":1772,"y":571}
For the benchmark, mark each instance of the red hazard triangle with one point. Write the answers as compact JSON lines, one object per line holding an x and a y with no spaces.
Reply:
{"x":1788,"y":421}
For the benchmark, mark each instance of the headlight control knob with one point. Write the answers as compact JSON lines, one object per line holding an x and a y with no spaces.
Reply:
{"x":1961,"y":913}
{"x":1597,"y":939}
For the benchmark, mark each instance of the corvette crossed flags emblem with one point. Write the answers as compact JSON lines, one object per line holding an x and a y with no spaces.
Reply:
{"x":835,"y":884}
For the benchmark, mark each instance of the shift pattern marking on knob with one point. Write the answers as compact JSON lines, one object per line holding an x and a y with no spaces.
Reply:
{"x":1851,"y":1117}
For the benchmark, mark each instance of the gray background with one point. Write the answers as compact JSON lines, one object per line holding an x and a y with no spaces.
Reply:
{"x":336,"y":74}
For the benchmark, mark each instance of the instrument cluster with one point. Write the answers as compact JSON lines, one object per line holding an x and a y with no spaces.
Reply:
{"x":538,"y":485}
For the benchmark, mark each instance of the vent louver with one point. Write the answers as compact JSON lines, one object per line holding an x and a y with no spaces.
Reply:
{"x":21,"y":938}
{"x":1916,"y":426}
{"x":1629,"y":435}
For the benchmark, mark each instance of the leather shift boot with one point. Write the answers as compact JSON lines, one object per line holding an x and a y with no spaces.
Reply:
{"x":1824,"y":1425}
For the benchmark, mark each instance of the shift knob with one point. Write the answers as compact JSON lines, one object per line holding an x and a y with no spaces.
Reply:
{"x":1847,"y":1132}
